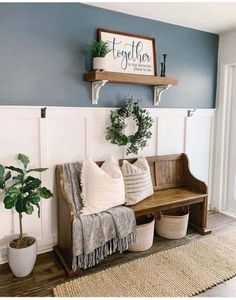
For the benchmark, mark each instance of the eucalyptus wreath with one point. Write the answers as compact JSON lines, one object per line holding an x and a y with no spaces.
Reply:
{"x":115,"y":132}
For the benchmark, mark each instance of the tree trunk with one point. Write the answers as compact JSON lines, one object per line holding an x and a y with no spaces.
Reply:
{"x":21,"y":231}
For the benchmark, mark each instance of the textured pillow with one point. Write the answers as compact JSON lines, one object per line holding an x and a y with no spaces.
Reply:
{"x":138,"y":182}
{"x":102,"y":188}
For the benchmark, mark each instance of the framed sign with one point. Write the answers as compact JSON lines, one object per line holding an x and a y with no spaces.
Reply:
{"x":130,"y":53}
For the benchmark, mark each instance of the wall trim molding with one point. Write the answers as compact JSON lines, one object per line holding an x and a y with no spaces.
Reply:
{"x":63,"y":111}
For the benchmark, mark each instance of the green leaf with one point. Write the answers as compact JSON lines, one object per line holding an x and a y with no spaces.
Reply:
{"x":38,"y":206}
{"x":31,"y":184}
{"x":34,"y":198}
{"x":37,"y":170}
{"x":2,"y":171}
{"x":29,"y":208}
{"x":30,"y":178}
{"x":9,"y":202}
{"x":7,"y":176}
{"x":44,"y":193}
{"x":12,"y":195}
{"x":24,"y":159}
{"x":123,"y":140}
{"x":13,"y":192}
{"x":18,"y":177}
{"x":23,"y":205}
{"x":18,"y":170}
{"x":19,"y":206}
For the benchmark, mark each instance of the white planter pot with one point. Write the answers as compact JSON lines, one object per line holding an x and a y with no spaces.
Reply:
{"x":99,"y":63}
{"x":21,"y":261}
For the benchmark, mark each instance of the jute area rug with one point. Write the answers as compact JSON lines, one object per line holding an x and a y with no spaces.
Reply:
{"x":183,"y":271}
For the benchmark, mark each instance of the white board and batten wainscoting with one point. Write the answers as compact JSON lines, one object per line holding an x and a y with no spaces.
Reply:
{"x":69,"y":134}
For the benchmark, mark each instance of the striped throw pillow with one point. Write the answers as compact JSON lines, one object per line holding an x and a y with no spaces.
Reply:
{"x":138,"y":182}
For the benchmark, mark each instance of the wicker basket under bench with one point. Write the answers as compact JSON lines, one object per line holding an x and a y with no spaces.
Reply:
{"x":174,"y":187}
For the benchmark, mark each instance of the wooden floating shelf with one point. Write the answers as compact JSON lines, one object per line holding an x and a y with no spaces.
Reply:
{"x":100,"y":78}
{"x":129,"y":78}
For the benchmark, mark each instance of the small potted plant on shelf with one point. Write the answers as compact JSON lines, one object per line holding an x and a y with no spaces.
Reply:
{"x":22,"y":192}
{"x":99,"y":50}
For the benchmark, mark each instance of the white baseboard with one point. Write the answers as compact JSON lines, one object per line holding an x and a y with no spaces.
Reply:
{"x":228,"y":213}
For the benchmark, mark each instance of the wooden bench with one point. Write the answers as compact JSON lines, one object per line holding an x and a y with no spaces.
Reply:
{"x":174,"y":187}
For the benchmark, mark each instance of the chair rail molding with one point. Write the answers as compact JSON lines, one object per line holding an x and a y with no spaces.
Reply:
{"x":70,"y":133}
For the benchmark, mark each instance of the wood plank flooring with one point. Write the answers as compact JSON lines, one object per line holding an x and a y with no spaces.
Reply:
{"x":48,"y":272}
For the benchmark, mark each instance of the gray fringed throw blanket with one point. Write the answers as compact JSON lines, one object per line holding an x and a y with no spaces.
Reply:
{"x":99,"y":235}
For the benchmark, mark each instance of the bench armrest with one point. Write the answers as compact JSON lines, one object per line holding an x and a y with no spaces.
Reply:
{"x":189,"y":180}
{"x":65,"y":207}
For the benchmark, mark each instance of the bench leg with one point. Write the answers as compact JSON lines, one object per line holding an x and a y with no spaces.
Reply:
{"x":67,"y":267}
{"x":198,"y":217}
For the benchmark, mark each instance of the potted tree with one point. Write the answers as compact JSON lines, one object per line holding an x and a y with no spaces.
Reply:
{"x":99,"y":50}
{"x":23,"y":193}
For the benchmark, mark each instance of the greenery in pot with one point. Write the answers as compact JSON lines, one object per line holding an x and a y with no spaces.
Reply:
{"x":22,"y":192}
{"x":99,"y":49}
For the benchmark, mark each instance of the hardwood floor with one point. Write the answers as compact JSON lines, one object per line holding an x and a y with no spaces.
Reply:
{"x":48,"y":272}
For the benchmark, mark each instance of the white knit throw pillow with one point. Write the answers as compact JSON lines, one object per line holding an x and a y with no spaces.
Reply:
{"x":102,"y":188}
{"x":138,"y":181}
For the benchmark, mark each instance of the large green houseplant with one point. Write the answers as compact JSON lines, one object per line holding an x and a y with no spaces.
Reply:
{"x":22,"y":192}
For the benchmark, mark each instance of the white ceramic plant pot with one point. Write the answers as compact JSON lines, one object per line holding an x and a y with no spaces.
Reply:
{"x":99,"y":63}
{"x":21,"y":261}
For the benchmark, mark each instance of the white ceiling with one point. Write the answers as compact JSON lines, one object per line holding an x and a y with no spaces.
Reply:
{"x":212,"y":17}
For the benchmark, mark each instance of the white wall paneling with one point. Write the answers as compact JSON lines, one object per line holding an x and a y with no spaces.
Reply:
{"x":171,"y":134}
{"x":198,"y":143}
{"x":69,"y":134}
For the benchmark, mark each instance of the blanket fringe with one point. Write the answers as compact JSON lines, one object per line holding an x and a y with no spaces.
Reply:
{"x":91,"y":259}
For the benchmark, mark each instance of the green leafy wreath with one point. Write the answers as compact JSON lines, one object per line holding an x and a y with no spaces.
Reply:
{"x":136,"y":141}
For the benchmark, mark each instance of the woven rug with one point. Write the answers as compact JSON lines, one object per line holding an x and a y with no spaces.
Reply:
{"x":183,"y":271}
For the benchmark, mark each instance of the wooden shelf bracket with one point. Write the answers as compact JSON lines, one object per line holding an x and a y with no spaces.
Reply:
{"x":96,"y":87}
{"x":158,"y":90}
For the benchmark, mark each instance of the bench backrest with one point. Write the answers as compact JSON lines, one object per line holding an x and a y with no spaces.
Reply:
{"x":167,"y":171}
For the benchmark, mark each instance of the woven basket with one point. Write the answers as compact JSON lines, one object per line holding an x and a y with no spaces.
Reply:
{"x":172,"y":226}
{"x":145,"y":234}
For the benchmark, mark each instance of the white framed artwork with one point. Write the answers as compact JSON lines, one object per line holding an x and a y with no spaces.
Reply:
{"x":130,"y":53}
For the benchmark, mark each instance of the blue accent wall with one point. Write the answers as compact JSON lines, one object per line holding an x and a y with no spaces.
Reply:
{"x":43,"y":57}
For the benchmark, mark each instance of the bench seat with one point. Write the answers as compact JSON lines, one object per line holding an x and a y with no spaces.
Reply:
{"x":167,"y":199}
